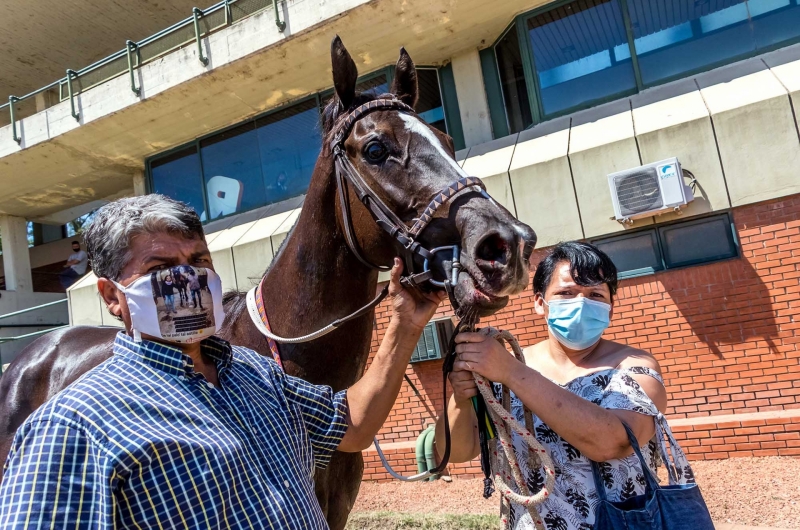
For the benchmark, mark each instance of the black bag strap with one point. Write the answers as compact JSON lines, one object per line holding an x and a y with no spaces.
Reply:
{"x":651,"y":485}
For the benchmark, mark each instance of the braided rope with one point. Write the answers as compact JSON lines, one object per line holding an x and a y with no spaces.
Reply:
{"x":507,"y":469}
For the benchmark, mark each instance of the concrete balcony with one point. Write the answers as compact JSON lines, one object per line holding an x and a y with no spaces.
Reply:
{"x":62,"y":162}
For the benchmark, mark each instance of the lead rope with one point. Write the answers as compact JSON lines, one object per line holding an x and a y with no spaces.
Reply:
{"x":507,"y":469}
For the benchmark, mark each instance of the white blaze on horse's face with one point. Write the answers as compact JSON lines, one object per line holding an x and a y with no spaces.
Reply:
{"x":415,"y":125}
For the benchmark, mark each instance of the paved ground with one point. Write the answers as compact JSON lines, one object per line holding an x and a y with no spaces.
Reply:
{"x":756,"y":492}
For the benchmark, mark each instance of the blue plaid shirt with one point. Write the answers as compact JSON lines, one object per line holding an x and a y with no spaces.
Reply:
{"x":144,"y":441}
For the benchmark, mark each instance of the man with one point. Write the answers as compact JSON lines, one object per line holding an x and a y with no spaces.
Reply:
{"x":75,"y":266}
{"x":194,"y":286}
{"x":186,"y":433}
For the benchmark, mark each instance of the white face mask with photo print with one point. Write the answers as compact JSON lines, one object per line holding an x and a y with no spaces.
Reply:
{"x":181,"y":304}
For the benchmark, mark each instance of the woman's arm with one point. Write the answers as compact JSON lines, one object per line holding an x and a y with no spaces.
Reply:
{"x":596,"y":432}
{"x":465,"y":442}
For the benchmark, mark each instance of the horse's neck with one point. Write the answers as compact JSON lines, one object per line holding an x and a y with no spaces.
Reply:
{"x":314,"y":280}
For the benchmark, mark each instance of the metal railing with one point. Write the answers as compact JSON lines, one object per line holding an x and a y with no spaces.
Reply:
{"x":52,"y":327}
{"x":200,"y":24}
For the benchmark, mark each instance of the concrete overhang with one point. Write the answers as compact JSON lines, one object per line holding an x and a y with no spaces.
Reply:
{"x":61,"y":163}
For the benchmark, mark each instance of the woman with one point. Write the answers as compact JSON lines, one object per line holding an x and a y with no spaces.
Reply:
{"x":579,"y":387}
{"x":168,"y":290}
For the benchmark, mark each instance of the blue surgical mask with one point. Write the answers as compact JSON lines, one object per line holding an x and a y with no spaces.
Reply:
{"x":578,"y":322}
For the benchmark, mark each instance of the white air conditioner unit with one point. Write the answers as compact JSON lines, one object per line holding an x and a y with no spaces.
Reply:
{"x":649,"y":190}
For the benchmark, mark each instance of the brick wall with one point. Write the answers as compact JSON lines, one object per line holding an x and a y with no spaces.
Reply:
{"x":727,"y":336}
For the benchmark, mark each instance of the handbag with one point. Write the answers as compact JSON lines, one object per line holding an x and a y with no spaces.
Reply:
{"x":673,"y":507}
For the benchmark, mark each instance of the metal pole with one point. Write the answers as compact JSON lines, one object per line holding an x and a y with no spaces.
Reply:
{"x":23,"y":311}
{"x":228,"y":17}
{"x":11,"y":101}
{"x":70,"y":73}
{"x":198,"y":13}
{"x":131,"y":47}
{"x":278,"y":22}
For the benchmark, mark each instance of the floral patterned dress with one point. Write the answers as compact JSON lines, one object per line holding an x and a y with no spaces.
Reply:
{"x":571,"y":507}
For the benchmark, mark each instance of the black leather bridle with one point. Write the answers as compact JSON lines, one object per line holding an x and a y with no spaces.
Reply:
{"x":406,"y":237}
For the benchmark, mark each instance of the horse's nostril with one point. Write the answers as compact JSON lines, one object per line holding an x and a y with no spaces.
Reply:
{"x":493,"y":251}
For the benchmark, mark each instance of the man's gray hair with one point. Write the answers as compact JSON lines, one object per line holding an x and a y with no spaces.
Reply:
{"x":109,"y":235}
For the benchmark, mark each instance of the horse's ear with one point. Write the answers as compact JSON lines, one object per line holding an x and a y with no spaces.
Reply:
{"x":345,"y":73}
{"x":404,"y":85}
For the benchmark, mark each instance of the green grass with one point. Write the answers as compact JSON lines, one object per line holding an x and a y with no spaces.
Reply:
{"x":423,"y":521}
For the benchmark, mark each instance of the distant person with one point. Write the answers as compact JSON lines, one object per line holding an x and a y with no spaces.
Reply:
{"x":168,"y":290}
{"x":75,"y":266}
{"x":194,"y":287}
{"x":281,"y":184}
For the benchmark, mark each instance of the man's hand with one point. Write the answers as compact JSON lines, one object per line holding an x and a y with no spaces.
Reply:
{"x":486,"y":356}
{"x":411,"y":307}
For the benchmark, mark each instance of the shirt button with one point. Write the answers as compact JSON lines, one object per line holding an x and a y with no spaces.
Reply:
{"x":286,"y":483}
{"x":209,"y":385}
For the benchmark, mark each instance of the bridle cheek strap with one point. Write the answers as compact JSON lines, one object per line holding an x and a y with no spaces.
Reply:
{"x":384,"y":217}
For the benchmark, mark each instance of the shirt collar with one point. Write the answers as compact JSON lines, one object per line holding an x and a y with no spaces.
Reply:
{"x":170,"y":359}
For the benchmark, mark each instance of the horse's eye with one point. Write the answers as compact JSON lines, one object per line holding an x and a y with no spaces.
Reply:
{"x":375,"y":152}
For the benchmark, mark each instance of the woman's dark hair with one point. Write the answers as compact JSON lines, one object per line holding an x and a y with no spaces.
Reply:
{"x":588,"y":265}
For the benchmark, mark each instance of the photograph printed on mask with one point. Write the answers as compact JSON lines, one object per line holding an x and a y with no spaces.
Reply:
{"x":184,"y":302}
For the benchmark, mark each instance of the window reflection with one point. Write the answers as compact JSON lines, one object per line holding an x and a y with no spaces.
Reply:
{"x":178,"y":176}
{"x":512,"y":80}
{"x":580,"y":54}
{"x":429,"y":105}
{"x":691,"y":36}
{"x":232,"y":172}
{"x":289,"y":143}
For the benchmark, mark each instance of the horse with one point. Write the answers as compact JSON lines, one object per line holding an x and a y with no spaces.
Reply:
{"x":317,"y":276}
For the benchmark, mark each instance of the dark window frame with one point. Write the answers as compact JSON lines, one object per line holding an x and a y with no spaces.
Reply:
{"x":657,"y":231}
{"x":497,"y":103}
{"x":451,"y":123}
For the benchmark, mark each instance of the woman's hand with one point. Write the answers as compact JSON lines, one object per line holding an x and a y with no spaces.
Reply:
{"x":486,"y":356}
{"x":411,"y":307}
{"x":464,"y":385}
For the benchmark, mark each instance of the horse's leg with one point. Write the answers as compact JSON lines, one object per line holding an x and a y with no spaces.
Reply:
{"x":337,"y":487}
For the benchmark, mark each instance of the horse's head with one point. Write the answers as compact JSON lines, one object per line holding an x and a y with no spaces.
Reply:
{"x":406,"y":163}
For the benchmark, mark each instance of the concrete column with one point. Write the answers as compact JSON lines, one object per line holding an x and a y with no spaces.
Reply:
{"x":16,"y":260}
{"x":139,"y":187}
{"x":474,"y":108}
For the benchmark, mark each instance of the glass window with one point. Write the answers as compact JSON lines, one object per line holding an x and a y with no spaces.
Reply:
{"x":429,"y":104}
{"x":699,"y":241}
{"x":633,"y":254}
{"x":375,"y":86}
{"x":774,"y":21}
{"x":512,"y":81}
{"x":178,"y":176}
{"x":673,"y":37}
{"x":289,"y":142}
{"x":232,"y":172}
{"x":580,"y":54}
{"x":673,"y":245}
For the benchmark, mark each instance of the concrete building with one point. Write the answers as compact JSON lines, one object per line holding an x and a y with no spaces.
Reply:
{"x":543,"y":101}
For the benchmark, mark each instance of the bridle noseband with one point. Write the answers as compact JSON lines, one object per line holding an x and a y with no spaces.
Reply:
{"x":406,"y":237}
